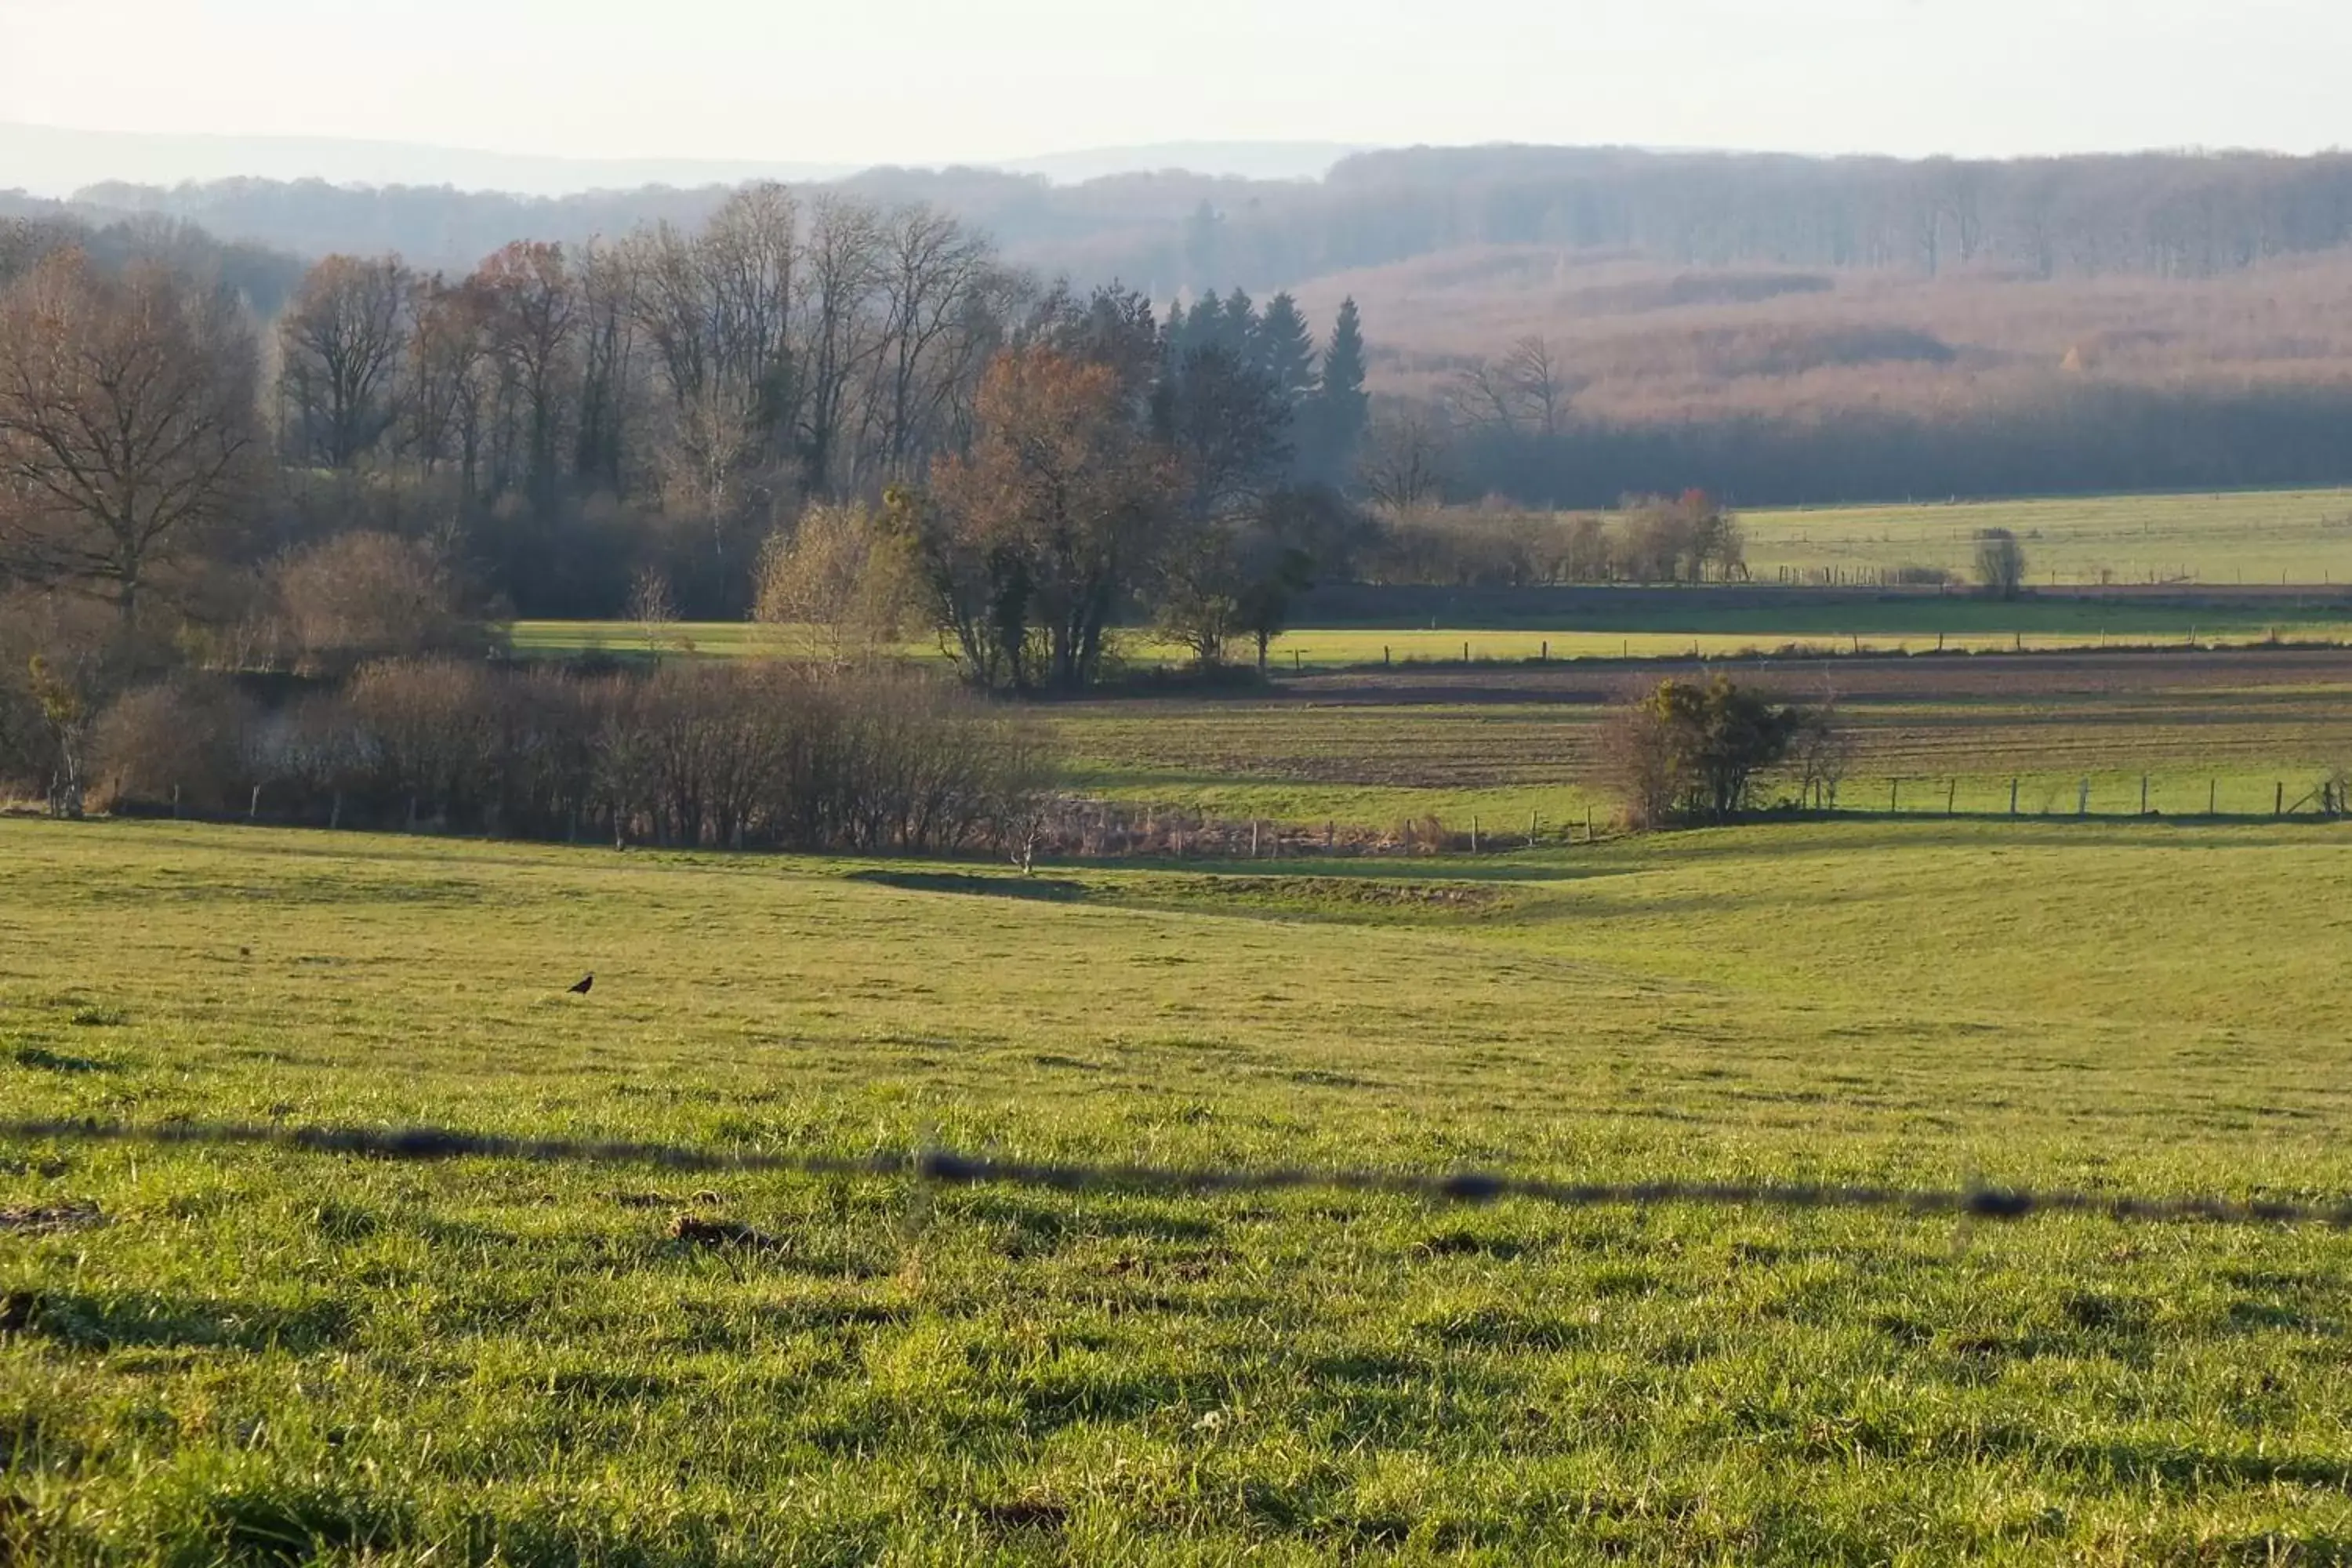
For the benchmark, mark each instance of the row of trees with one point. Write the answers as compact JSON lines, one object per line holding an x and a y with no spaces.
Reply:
{"x":1689,"y":538}
{"x":560,"y":420}
{"x":748,"y":755}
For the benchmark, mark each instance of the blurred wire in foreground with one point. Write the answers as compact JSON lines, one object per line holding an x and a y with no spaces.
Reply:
{"x":951,"y":1169}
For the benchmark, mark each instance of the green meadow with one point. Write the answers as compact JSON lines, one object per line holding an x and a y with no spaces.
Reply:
{"x":252,"y":1355}
{"x":2247,"y":537}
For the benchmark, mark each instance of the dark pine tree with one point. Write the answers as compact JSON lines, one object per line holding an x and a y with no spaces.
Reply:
{"x":1204,"y":326}
{"x":1285,"y":350}
{"x":1341,"y":408}
{"x":1239,"y":333}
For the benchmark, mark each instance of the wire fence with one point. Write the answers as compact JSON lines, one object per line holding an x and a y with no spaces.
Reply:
{"x":947,"y":1168}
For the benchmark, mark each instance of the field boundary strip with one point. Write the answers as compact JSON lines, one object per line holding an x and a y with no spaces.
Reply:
{"x":951,"y":1169}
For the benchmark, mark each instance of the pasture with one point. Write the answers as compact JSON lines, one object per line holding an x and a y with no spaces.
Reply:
{"x":2237,"y":538}
{"x":2222,"y":733}
{"x":1631,"y":624}
{"x":263,"y":1356}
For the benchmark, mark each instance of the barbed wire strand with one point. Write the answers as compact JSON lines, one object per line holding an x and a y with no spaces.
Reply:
{"x":947,"y":1168}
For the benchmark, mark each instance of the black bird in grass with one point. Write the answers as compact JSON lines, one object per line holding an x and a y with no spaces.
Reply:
{"x":582,"y":989}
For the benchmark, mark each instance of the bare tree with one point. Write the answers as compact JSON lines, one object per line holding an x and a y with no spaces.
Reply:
{"x":654,"y":611}
{"x":342,"y":340}
{"x":1538,"y":384}
{"x":443,"y":413}
{"x":932,"y":272}
{"x":1403,"y":468}
{"x":840,"y":272}
{"x":127,"y":424}
{"x":531,"y":312}
{"x":1482,"y":395}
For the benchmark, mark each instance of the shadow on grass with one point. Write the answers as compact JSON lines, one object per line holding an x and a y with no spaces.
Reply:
{"x":91,"y":1321}
{"x":1033,"y":889}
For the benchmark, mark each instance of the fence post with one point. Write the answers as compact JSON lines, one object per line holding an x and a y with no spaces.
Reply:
{"x":1384,"y":653}
{"x":253,"y":810}
{"x":176,"y":803}
{"x":1253,"y":837}
{"x":2083,"y":800}
{"x":1894,"y":795}
{"x":335,"y":817}
{"x":1295,"y":666}
{"x":1952,"y":797}
{"x":1546,"y":657}
{"x":2012,"y":797}
{"x":2143,"y":795}
{"x":1532,"y":821}
{"x":1588,"y":824}
{"x":1465,"y":653}
{"x":2212,"y":797}
{"x":1474,"y":833}
{"x":2278,"y":803}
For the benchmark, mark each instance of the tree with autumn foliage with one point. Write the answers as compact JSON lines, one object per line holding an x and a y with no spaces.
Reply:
{"x":1027,"y":545}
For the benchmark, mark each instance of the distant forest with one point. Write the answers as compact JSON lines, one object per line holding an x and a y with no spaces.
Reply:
{"x":2160,"y":215}
{"x":1563,"y":326}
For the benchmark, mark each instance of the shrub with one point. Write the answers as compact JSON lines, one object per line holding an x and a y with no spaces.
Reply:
{"x":361,"y":596}
{"x":2001,"y":562}
{"x":1689,"y":752}
{"x":184,"y":742}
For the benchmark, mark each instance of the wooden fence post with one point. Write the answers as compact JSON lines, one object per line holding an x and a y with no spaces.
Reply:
{"x":2083,"y":800}
{"x":2012,"y":797}
{"x":176,"y":803}
{"x":2212,"y":797}
{"x":2143,"y":795}
{"x":1952,"y":797}
{"x":1253,"y":837}
{"x":335,"y":816}
{"x":2278,"y":803}
{"x":1894,"y":795}
{"x":1474,"y":833}
{"x":253,"y":810}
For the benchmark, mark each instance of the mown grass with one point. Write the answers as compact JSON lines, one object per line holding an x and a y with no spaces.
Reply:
{"x":265,"y":1357}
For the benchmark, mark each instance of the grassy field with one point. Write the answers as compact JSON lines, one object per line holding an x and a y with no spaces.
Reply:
{"x":2223,"y":732}
{"x":269,"y":1357}
{"x":2250,"y":537}
{"x":1661,"y":625}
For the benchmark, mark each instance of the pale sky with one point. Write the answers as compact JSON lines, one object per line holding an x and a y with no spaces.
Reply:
{"x":932,"y":80}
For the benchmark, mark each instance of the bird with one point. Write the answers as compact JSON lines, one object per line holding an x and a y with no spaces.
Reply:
{"x":582,"y":989}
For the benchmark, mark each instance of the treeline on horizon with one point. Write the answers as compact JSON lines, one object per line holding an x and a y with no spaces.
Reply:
{"x":2174,"y":214}
{"x":1775,"y":330}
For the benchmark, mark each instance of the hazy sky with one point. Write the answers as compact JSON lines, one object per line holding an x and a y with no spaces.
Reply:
{"x":860,"y":80}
